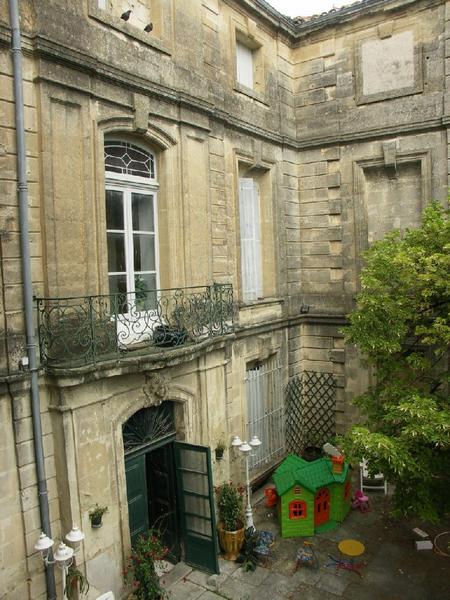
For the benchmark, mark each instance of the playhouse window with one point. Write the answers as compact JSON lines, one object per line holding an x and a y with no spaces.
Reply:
{"x":297,"y":490}
{"x":297,"y":509}
{"x":347,"y":490}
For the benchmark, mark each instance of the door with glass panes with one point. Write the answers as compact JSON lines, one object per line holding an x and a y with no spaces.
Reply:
{"x":132,"y":238}
{"x":169,"y":488}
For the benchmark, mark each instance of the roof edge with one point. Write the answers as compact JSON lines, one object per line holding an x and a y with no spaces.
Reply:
{"x":299,"y":26}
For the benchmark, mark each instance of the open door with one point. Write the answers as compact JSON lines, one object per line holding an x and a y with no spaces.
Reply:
{"x":196,"y":506}
{"x":137,"y":496}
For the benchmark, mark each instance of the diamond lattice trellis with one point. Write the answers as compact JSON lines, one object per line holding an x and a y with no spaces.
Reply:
{"x":310,"y":410}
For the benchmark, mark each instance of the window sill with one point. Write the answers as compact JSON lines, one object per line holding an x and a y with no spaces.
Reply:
{"x":260,"y":302}
{"x":258,"y":96}
{"x":129,"y":30}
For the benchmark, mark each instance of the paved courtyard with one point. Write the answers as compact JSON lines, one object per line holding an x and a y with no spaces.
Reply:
{"x":394,"y":569}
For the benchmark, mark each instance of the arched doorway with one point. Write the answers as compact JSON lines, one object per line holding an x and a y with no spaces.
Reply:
{"x":169,"y":487}
{"x":148,"y":437}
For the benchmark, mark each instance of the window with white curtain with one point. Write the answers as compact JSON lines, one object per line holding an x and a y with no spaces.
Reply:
{"x":244,"y":64}
{"x":131,"y":224}
{"x":250,"y":234}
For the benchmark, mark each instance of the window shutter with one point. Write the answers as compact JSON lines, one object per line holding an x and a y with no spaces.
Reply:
{"x":244,"y":64}
{"x":250,"y":239}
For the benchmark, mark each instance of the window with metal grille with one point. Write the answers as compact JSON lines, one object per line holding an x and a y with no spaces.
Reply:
{"x":265,"y":412}
{"x":297,"y":509}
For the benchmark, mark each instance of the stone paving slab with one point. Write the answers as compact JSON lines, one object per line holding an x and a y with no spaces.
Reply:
{"x":394,"y":569}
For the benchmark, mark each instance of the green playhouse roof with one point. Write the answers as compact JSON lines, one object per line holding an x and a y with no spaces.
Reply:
{"x":312,"y":475}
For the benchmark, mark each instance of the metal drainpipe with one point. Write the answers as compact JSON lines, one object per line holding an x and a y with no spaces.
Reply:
{"x":22,"y":187}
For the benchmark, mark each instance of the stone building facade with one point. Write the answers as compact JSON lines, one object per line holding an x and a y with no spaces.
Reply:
{"x":332,"y":130}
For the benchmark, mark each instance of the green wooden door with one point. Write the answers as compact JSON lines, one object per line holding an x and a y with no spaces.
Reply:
{"x":135,"y":472}
{"x":196,"y":506}
{"x":162,"y":497}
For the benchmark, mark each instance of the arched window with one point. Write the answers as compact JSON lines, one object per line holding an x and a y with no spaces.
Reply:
{"x":297,"y":509}
{"x":131,"y":224}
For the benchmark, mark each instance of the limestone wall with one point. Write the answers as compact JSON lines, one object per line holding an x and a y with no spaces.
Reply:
{"x":345,"y":131}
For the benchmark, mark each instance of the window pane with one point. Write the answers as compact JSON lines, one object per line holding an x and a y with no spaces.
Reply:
{"x":123,"y":157}
{"x":114,"y":209}
{"x":197,"y":506}
{"x":118,"y":290}
{"x":116,"y":252}
{"x":142,"y":211}
{"x":145,"y":291}
{"x":117,"y":284}
{"x":144,"y":252}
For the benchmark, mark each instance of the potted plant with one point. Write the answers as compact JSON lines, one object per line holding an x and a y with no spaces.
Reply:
{"x":248,"y":558}
{"x":75,"y":580}
{"x":220,"y":449}
{"x":231,"y":519}
{"x":140,"y":571}
{"x":96,"y":515}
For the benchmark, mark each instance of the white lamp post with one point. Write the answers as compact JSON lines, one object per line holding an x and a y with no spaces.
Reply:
{"x":246,"y":448}
{"x":63,"y":555}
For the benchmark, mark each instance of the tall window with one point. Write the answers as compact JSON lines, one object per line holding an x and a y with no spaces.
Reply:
{"x":244,"y":64}
{"x":265,"y":412}
{"x":131,"y":224}
{"x":250,"y":230}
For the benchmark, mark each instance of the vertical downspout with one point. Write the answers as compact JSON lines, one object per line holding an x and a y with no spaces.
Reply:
{"x":16,"y":50}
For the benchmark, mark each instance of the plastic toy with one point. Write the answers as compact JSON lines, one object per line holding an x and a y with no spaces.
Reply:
{"x":271,"y":496}
{"x":361,"y":501}
{"x":306,"y":557}
{"x":345,"y":564}
{"x":313,"y":497}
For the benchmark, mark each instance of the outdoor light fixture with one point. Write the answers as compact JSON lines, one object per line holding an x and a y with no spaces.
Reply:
{"x":63,"y":556}
{"x":246,"y":448}
{"x":126,"y":15}
{"x":236,"y":441}
{"x":148,"y":27}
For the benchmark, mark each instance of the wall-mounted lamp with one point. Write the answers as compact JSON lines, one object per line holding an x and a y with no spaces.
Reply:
{"x":148,"y":27}
{"x":63,"y":555}
{"x":126,"y":15}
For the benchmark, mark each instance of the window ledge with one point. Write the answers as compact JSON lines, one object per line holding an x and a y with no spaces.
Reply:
{"x":243,"y":89}
{"x":260,"y":302}
{"x":129,"y":30}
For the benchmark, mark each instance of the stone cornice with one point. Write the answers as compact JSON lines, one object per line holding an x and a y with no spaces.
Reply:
{"x":297,"y":28}
{"x":131,"y":364}
{"x":49,"y":50}
{"x":81,"y":61}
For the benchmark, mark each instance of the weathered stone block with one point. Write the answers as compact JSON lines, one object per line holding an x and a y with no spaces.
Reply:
{"x":320,"y":181}
{"x":312,"y":97}
{"x":309,"y":169}
{"x":337,"y":356}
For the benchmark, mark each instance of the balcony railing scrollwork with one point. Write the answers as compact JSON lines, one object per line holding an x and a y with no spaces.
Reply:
{"x":78,"y":331}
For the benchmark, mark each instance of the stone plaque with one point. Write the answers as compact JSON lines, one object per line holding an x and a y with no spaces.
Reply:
{"x":388,"y":68}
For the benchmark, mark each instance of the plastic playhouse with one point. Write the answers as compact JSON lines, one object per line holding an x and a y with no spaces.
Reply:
{"x":313,"y":496}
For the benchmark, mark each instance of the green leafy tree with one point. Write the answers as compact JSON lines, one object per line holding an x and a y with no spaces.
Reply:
{"x":401,"y":324}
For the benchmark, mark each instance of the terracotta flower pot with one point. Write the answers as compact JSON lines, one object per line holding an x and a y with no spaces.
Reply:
{"x":231,"y":542}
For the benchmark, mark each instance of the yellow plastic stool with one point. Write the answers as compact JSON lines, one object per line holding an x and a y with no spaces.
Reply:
{"x":351,"y":547}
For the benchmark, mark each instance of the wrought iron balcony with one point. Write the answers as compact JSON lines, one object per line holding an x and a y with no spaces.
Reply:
{"x":91,"y":329}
